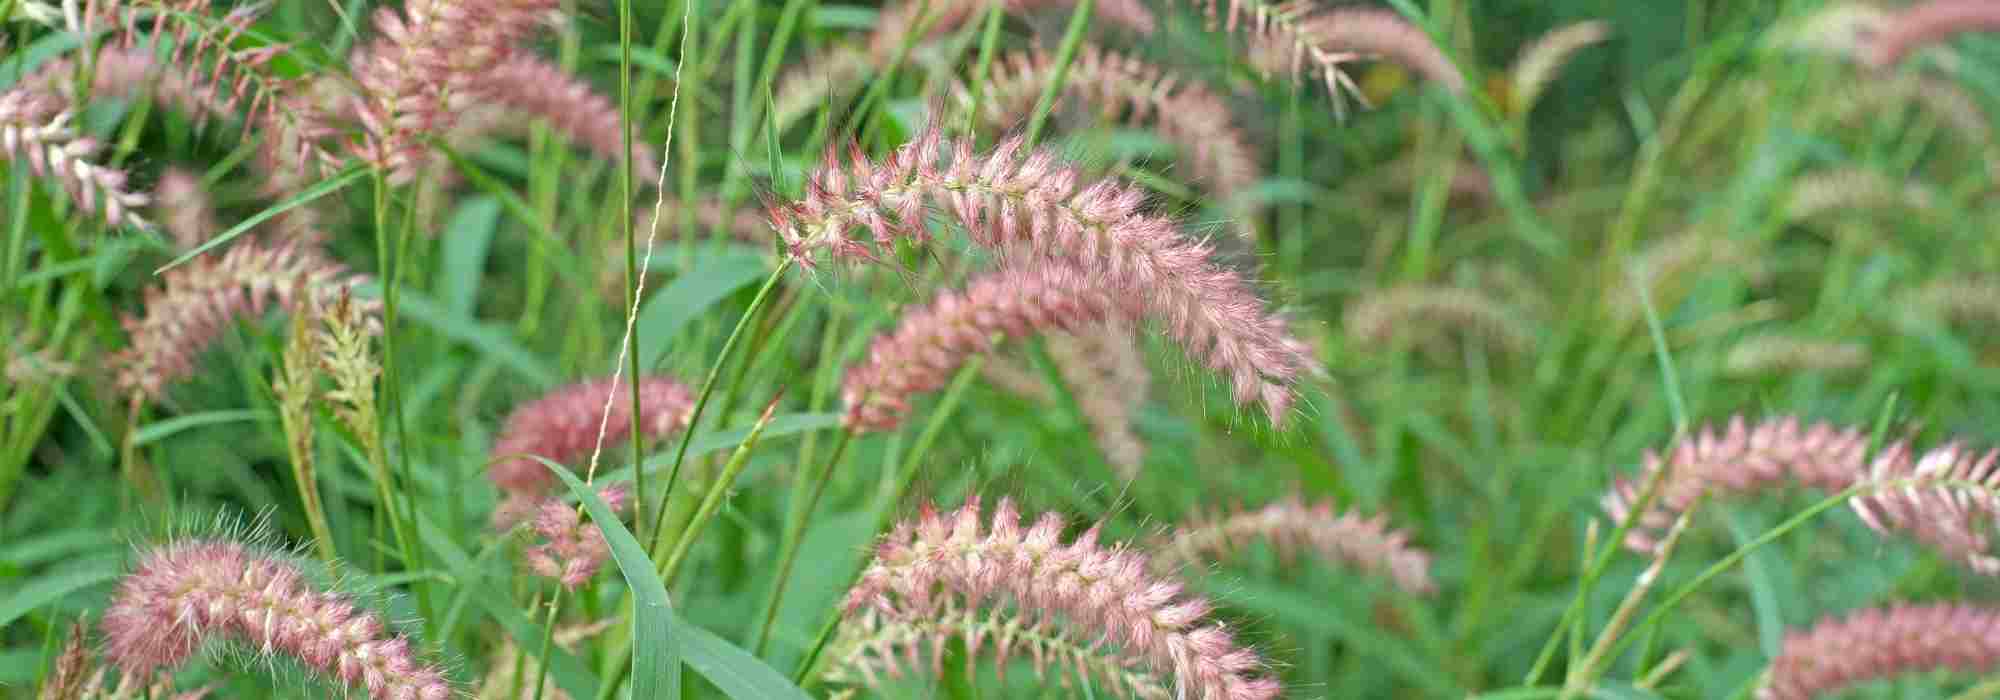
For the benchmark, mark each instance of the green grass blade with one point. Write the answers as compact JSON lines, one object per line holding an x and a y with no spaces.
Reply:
{"x":656,"y":658}
{"x":324,"y":188}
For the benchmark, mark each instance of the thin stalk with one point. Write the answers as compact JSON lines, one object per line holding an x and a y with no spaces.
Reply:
{"x":548,"y":638}
{"x":716,"y":491}
{"x":708,"y":387}
{"x":631,"y":252}
{"x":795,"y":527}
{"x":906,"y":475}
{"x":379,"y":453}
{"x":989,"y":40}
{"x":1583,"y":673}
{"x":1079,"y":19}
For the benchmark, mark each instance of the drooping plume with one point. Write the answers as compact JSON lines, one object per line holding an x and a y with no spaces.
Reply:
{"x":562,"y":426}
{"x":1423,"y":313}
{"x":936,"y":17}
{"x":1080,"y":606}
{"x":523,"y":86}
{"x":1774,"y":353}
{"x":1031,"y":207}
{"x":196,"y":301}
{"x":1122,"y":88}
{"x":35,"y":129}
{"x":193,"y":592}
{"x":1943,"y":498}
{"x":1880,"y":643}
{"x":1539,"y":62}
{"x":1291,"y":525}
{"x":571,"y":550}
{"x":1331,"y":37}
{"x":930,"y":343}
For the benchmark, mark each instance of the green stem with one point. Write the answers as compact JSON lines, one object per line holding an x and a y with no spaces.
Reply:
{"x":906,"y":475}
{"x":708,"y":389}
{"x":716,"y":491}
{"x":795,"y":529}
{"x":1079,"y":19}
{"x":548,"y":638}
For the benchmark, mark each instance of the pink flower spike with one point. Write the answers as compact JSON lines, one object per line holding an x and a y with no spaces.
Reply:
{"x":188,"y":593}
{"x":561,"y":426}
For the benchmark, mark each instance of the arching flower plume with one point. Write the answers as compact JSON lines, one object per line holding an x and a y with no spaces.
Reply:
{"x":1332,"y":37}
{"x":1126,"y":89}
{"x":1943,"y":498}
{"x":195,"y":302}
{"x":526,"y":86}
{"x":1540,"y":61}
{"x":35,"y":128}
{"x":1420,"y":313}
{"x":562,"y":426}
{"x":1291,"y":525}
{"x":192,"y":592}
{"x":1774,"y":353}
{"x":572,"y":551}
{"x":930,"y":343}
{"x":1879,"y":643}
{"x":1080,"y":606}
{"x":1032,"y":207}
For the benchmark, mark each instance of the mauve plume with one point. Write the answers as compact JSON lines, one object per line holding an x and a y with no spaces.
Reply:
{"x":196,"y":301}
{"x":1775,"y":353}
{"x":937,"y":17}
{"x":1879,"y":643}
{"x":1928,"y":23}
{"x":186,"y":594}
{"x":1422,"y":313}
{"x":1539,"y":62}
{"x":931,"y":342}
{"x":1091,"y":609}
{"x":526,"y":86}
{"x":1290,"y":526}
{"x":1032,"y":208}
{"x":35,"y":128}
{"x":562,"y":426}
{"x":1122,"y":88}
{"x":1943,"y":498}
{"x":1328,"y":37}
{"x":572,"y":551}
{"x":423,"y":56}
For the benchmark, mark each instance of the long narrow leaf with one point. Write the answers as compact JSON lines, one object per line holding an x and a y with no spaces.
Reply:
{"x":656,"y":662}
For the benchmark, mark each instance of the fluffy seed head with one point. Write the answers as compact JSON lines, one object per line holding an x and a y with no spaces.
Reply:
{"x":192,"y":592}
{"x":1291,"y":525}
{"x":562,"y":426}
{"x":945,"y":574}
{"x":1879,"y":643}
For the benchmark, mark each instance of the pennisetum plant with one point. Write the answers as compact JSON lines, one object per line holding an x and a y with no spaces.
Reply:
{"x":1033,"y":206}
{"x":1080,"y":607}
{"x":189,"y":593}
{"x":1879,"y":643}
{"x":564,"y":425}
{"x":1290,"y":526}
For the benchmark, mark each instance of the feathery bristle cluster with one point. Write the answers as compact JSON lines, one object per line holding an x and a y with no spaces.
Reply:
{"x":562,"y":426}
{"x":1421,"y":313}
{"x":1291,"y":525}
{"x":1333,"y":37}
{"x":572,"y":551}
{"x":1779,"y":353}
{"x":1739,"y":459}
{"x":185,"y":212}
{"x":526,"y":86}
{"x":1279,"y":40}
{"x":34,"y":129}
{"x":1847,"y":189}
{"x":1032,"y":204}
{"x":1124,"y":88}
{"x":425,"y":55}
{"x":933,"y":576}
{"x":1944,"y":498}
{"x":930,"y":343}
{"x":188,"y":593}
{"x":876,"y":648}
{"x":205,"y":75}
{"x":196,"y":301}
{"x":1927,"y":23}
{"x":936,"y":17}
{"x":1879,"y":643}
{"x":1539,"y":62}
{"x":1670,"y":266}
